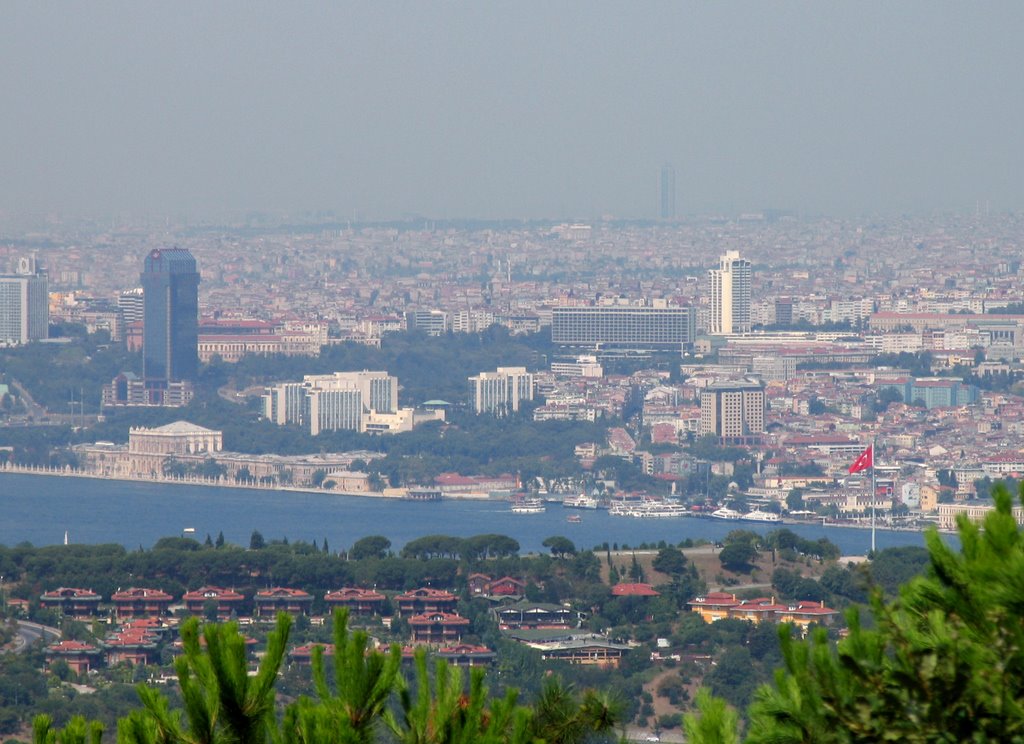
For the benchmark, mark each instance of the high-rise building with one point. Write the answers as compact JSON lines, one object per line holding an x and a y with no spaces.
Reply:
{"x":500,"y":392}
{"x":132,"y":305}
{"x":667,"y":193}
{"x":634,"y":326}
{"x":733,"y":411}
{"x":170,"y":335}
{"x":730,"y":295}
{"x":24,"y":305}
{"x":431,"y":322}
{"x":342,"y":400}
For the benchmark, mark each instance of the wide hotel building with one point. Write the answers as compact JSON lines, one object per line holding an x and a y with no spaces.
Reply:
{"x":641,"y":326}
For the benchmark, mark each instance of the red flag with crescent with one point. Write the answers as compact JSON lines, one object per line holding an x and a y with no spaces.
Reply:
{"x":865,"y":461}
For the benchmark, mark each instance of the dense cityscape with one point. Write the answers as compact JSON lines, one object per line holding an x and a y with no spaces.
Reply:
{"x":534,"y":373}
{"x":638,"y":374}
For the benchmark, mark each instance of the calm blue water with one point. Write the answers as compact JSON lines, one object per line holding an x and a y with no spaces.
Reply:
{"x":38,"y":509}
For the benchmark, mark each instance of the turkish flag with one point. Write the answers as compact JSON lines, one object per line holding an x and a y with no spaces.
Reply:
{"x":865,"y":461}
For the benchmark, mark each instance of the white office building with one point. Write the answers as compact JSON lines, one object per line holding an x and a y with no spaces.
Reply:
{"x":342,"y":400}
{"x":730,"y":295}
{"x":24,"y":305}
{"x":500,"y":392}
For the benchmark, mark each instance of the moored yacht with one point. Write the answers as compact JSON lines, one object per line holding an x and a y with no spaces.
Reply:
{"x":761,"y":516}
{"x":726,"y":513}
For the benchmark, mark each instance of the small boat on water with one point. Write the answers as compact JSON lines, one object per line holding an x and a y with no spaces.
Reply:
{"x":580,"y":502}
{"x":761,"y":516}
{"x":574,"y":519}
{"x":726,"y":513}
{"x":528,"y":506}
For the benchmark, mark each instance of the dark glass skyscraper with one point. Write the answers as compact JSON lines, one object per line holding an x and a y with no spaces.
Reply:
{"x":170,"y":334}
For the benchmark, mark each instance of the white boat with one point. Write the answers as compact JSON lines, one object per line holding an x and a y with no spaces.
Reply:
{"x":580,"y":502}
{"x":528,"y":506}
{"x":761,"y":516}
{"x":648,"y":509}
{"x":574,"y":519}
{"x":726,"y":513}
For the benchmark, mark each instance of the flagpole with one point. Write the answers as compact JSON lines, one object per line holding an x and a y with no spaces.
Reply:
{"x":874,"y":492}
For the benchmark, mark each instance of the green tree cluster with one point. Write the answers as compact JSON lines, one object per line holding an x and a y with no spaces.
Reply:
{"x":941,"y":662}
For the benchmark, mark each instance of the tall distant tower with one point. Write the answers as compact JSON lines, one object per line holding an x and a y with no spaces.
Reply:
{"x":667,"y":193}
{"x":730,"y":295}
{"x":170,"y":333}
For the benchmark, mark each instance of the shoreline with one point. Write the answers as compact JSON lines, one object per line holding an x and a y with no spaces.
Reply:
{"x":68,"y":472}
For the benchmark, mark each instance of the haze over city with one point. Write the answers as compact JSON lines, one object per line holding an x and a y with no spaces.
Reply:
{"x":533,"y":110}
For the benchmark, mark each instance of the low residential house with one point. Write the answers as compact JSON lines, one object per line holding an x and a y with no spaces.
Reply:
{"x":477,"y":584}
{"x":719,"y":605}
{"x":759,"y":610}
{"x":81,"y":604}
{"x":596,"y":652}
{"x":135,"y":644}
{"x":226,"y":601}
{"x":425,"y":600}
{"x":438,"y":627}
{"x":303,"y":655}
{"x":141,"y":602}
{"x":467,"y":655}
{"x":802,"y":614}
{"x":80,"y":657}
{"x":482,"y":585}
{"x":358,"y":601}
{"x":572,"y":646}
{"x":525,"y":615}
{"x":713,"y":605}
{"x":269,"y":602}
{"x":634,"y":590}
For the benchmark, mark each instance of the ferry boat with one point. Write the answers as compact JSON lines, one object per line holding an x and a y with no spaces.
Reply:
{"x":761,"y":516}
{"x":726,"y":513}
{"x":580,"y":502}
{"x":648,"y":509}
{"x":528,"y":506}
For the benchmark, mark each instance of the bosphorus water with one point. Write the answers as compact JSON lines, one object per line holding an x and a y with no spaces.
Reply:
{"x":39,"y":509}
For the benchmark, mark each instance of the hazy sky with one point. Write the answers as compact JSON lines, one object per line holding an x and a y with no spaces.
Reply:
{"x":513,"y":109}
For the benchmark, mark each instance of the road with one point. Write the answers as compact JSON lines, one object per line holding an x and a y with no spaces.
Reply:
{"x":29,"y":633}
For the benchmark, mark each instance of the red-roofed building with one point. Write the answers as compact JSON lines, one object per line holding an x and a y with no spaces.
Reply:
{"x":80,"y":657}
{"x":139,"y":602}
{"x":133,"y":644}
{"x":719,"y":605}
{"x":303,"y":655}
{"x":425,"y":600}
{"x":466,"y":655}
{"x":477,"y":584}
{"x":758,"y":610}
{"x":227,"y":600}
{"x":634,"y":590}
{"x":713,"y":605}
{"x":76,"y":603}
{"x":358,"y":601}
{"x":437,"y":627}
{"x":269,"y":602}
{"x":803,"y":614}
